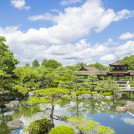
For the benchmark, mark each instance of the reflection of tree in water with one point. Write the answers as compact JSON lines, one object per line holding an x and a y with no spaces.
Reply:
{"x":4,"y":119}
{"x":77,"y":108}
{"x":25,"y":111}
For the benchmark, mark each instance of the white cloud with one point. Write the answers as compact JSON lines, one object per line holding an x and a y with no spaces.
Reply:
{"x":107,"y":58}
{"x":127,"y":35}
{"x":125,"y":49}
{"x":20,"y":4}
{"x":46,"y":16}
{"x":68,"y":2}
{"x":129,"y":121}
{"x":71,"y":25}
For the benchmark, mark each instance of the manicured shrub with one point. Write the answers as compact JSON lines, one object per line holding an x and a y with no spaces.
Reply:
{"x":82,"y":89}
{"x":107,"y":93}
{"x":78,"y":93}
{"x":39,"y":126}
{"x":89,"y":92}
{"x":62,"y":130}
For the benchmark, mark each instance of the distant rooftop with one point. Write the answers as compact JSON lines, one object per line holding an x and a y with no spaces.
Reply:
{"x":118,"y":63}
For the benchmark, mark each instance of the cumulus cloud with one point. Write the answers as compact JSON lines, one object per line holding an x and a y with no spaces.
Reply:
{"x":68,"y":2}
{"x":20,"y":4}
{"x":127,"y":35}
{"x":128,"y":120}
{"x":71,"y":25}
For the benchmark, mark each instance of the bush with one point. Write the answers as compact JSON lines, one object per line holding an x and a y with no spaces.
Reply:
{"x":39,"y":126}
{"x":78,"y":93}
{"x":82,"y":89}
{"x":62,"y":130}
{"x":107,"y":94}
{"x":89,"y":92}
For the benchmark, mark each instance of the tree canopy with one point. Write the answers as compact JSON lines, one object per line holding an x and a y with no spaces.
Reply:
{"x":35,"y":63}
{"x":7,"y":65}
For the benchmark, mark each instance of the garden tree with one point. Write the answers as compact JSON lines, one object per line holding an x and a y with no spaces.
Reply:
{"x":61,"y":74}
{"x":47,"y":76}
{"x":130,"y":61}
{"x":7,"y":65}
{"x":50,"y":63}
{"x":77,"y":66}
{"x":77,"y":81}
{"x":27,"y":64}
{"x":89,"y":126}
{"x":109,"y":86}
{"x":49,"y":96}
{"x":35,"y":63}
{"x":27,"y":77}
{"x":99,"y":66}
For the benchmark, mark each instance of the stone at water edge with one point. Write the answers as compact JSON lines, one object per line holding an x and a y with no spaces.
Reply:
{"x":12,"y":104}
{"x":108,"y":97}
{"x":15,"y":124}
{"x":130,"y":106}
{"x":121,"y":109}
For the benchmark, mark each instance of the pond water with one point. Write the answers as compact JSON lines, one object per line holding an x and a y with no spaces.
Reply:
{"x":100,"y":111}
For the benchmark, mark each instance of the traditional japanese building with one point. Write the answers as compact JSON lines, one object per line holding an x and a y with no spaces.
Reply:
{"x":119,"y":69}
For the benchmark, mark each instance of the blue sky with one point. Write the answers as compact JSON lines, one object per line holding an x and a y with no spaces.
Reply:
{"x":68,"y":31}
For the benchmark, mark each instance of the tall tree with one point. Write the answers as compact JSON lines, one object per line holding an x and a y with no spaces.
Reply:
{"x":35,"y":63}
{"x":51,"y":63}
{"x":130,"y":61}
{"x":7,"y":65}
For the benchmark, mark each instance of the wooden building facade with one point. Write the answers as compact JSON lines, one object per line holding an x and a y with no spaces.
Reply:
{"x":119,"y":69}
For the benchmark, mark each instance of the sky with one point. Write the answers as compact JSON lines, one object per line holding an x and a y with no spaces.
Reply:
{"x":68,"y":31}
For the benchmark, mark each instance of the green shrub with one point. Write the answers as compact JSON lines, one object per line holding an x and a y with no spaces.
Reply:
{"x":132,"y":83}
{"x":107,"y":93}
{"x":39,"y":126}
{"x":78,"y":93}
{"x":89,"y":92}
{"x":62,"y":130}
{"x":82,"y":89}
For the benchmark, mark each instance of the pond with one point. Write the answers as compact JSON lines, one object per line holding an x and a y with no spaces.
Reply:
{"x":100,"y":111}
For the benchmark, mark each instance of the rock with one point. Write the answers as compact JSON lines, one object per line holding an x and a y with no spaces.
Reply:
{"x":86,"y":96}
{"x":94,"y":97}
{"x":130,"y":106}
{"x":15,"y":124}
{"x":108,"y":97}
{"x":24,"y":132}
{"x":80,"y":97}
{"x":121,"y":109}
{"x":12,"y":104}
{"x":99,"y":96}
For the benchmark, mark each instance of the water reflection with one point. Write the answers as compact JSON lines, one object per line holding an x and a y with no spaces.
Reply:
{"x":101,"y":111}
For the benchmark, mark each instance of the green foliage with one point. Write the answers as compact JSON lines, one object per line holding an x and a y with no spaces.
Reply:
{"x":27,"y":76}
{"x":51,"y":63}
{"x":35,"y":63}
{"x":62,"y":130}
{"x":77,"y":66}
{"x":49,"y":96}
{"x":89,"y":126}
{"x":132,"y":83}
{"x":7,"y":65}
{"x":18,"y":91}
{"x":99,"y":66}
{"x":78,"y":93}
{"x":89,"y":92}
{"x":130,"y":61}
{"x":39,"y":126}
{"x":107,"y":94}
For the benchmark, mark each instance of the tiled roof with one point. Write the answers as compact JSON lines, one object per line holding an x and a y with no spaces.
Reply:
{"x":118,"y":63}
